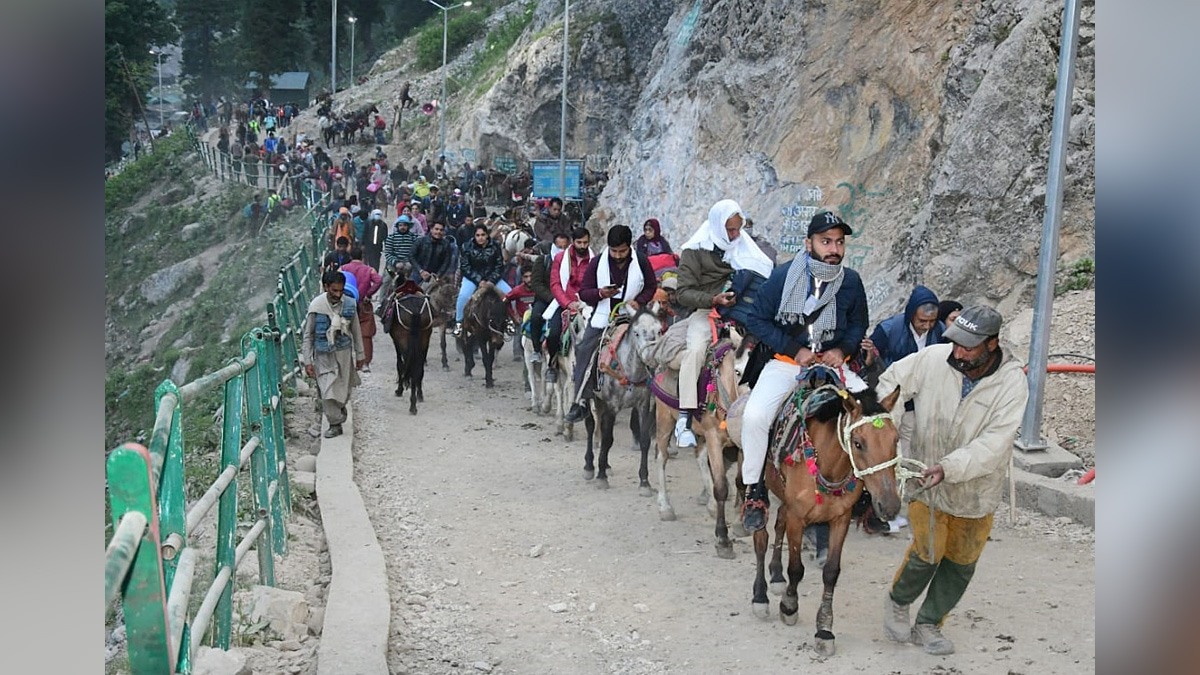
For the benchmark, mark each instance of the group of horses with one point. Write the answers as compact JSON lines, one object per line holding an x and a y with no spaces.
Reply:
{"x":844,"y":431}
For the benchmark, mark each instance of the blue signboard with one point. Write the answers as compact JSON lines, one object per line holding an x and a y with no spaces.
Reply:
{"x":545,"y":178}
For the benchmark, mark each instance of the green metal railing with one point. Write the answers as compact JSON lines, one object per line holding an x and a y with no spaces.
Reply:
{"x":149,"y":563}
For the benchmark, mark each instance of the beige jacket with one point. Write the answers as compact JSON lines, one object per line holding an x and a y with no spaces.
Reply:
{"x":972,"y":438}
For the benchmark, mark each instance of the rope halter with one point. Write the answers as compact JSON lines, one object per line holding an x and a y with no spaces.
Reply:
{"x":900,"y":462}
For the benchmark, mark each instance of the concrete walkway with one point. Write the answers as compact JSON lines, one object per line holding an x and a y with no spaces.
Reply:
{"x":357,"y":612}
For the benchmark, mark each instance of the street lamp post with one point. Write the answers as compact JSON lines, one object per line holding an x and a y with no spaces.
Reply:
{"x":562,"y":129}
{"x":442,"y":102}
{"x":353,"y":20}
{"x":158,"y":53}
{"x":333,"y":52}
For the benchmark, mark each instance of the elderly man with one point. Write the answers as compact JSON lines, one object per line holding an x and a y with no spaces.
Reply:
{"x":710,"y":259}
{"x":333,"y":348}
{"x":812,"y":309}
{"x":970,"y":395}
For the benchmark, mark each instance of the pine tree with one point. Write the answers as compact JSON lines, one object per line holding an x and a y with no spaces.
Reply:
{"x":131,"y":29}
{"x":208,"y":32}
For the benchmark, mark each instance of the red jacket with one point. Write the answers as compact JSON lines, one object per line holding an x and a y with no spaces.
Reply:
{"x":368,"y":279}
{"x":565,"y":296}
{"x":520,"y":297}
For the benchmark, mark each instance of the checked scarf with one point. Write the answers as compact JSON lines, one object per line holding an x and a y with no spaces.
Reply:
{"x":804,"y":306}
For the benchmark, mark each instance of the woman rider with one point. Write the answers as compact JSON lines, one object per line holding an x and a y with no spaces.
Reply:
{"x":478,"y":261}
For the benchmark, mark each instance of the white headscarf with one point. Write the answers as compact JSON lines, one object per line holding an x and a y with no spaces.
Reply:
{"x":741,"y":253}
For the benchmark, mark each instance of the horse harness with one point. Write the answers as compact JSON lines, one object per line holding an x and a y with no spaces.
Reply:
{"x":426,"y":308}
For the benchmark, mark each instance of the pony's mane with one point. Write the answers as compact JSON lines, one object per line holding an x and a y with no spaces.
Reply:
{"x":827,"y":408}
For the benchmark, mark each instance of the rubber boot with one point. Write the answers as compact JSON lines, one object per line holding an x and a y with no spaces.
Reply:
{"x":576,"y":413}
{"x":684,"y":438}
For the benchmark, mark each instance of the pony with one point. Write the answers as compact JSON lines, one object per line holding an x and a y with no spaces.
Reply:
{"x":442,"y":292}
{"x":720,"y":452}
{"x":411,"y":328}
{"x":628,"y":390}
{"x":835,"y":433}
{"x":484,"y":320}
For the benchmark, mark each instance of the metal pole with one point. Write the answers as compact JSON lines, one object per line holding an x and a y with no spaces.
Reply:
{"x":353,"y":21}
{"x":562,"y":129}
{"x":1039,"y":347}
{"x":333,"y":52}
{"x":160,"y":91}
{"x":442,"y":103}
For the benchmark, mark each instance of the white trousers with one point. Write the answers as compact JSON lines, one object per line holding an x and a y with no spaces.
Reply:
{"x":699,"y":336}
{"x":775,"y":383}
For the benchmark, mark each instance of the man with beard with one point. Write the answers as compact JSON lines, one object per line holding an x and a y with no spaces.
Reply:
{"x":812,"y":309}
{"x":970,"y":396}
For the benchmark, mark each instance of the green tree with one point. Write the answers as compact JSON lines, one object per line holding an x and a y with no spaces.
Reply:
{"x":131,"y":28}
{"x":208,"y":33}
{"x":268,"y":38}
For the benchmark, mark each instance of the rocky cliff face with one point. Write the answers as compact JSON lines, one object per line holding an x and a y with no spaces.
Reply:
{"x":924,"y":124}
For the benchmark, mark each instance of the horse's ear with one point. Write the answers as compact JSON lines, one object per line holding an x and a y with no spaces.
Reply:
{"x":888,"y":402}
{"x":849,"y":403}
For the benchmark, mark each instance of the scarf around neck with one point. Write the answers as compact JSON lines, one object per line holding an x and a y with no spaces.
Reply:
{"x":799,"y":306}
{"x":634,"y":283}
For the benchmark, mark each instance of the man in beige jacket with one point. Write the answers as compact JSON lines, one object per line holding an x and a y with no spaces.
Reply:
{"x":970,"y":395}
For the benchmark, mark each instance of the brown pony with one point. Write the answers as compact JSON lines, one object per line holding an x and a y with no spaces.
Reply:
{"x":410,"y":330}
{"x":711,"y":428}
{"x":854,"y":441}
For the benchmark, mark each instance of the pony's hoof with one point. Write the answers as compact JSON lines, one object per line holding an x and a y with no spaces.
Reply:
{"x":601,"y":483}
{"x":445,"y":367}
{"x":825,"y":646}
{"x":589,"y":474}
{"x":738,"y":530}
{"x":645,"y":491}
{"x":667,"y":514}
{"x":399,"y":393}
{"x":777,"y":587}
{"x":489,"y":384}
{"x":727,"y":553}
{"x":412,"y":411}
{"x":788,"y":619}
{"x":762,"y":610}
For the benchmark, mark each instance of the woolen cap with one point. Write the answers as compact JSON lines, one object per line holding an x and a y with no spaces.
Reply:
{"x":973,"y":326}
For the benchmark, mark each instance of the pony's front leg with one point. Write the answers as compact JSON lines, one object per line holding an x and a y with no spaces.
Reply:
{"x":589,"y":470}
{"x":607,"y":420}
{"x":789,"y":604}
{"x":825,"y":644}
{"x":778,"y":583}
{"x":661,"y":438}
{"x":759,"y":604}
{"x":445,"y":361}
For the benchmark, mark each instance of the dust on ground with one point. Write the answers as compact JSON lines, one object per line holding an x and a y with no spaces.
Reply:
{"x":502,"y":558}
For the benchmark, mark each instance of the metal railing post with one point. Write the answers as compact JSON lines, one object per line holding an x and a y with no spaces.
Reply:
{"x":260,"y":459}
{"x":268,"y":388}
{"x":283,"y":496}
{"x":231,"y":445}
{"x":144,"y":594}
{"x":172,"y":501}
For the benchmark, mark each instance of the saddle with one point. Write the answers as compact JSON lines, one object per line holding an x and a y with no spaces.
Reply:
{"x":608,"y":363}
{"x":789,"y":440}
{"x":409,"y":287}
{"x":666,"y":388}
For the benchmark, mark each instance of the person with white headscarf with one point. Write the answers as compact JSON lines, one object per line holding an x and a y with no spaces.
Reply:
{"x":707,"y":265}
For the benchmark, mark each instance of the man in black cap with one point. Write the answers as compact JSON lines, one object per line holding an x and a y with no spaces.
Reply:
{"x":812,"y":309}
{"x":970,"y":396}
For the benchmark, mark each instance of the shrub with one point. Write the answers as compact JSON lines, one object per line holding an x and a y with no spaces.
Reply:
{"x":461,"y":30}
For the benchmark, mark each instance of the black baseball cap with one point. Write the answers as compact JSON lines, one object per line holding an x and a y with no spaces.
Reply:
{"x":826,"y":220}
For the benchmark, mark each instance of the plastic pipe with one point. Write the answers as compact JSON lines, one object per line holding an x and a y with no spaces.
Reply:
{"x":1087,"y":477}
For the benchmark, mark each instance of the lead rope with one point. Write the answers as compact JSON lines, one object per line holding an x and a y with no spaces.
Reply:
{"x":903,"y":473}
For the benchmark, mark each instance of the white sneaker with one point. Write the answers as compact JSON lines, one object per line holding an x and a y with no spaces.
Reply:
{"x":895,"y":525}
{"x":684,"y":438}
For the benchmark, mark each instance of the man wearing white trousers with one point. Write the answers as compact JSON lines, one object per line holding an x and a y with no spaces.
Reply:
{"x":706,"y":269}
{"x":811,"y":309}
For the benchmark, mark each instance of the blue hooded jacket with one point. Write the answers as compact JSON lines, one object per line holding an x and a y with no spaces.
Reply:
{"x":894,"y":339}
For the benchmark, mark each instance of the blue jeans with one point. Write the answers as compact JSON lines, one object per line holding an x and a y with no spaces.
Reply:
{"x":465,"y":292}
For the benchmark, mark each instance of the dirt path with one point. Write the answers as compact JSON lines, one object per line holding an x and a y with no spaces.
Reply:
{"x":462,"y":493}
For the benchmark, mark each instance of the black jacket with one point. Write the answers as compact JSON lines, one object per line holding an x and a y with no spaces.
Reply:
{"x":481,"y":263}
{"x":435,"y":257}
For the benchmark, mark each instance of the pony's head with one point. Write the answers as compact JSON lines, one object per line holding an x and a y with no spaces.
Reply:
{"x":867,"y":434}
{"x":646,"y":325}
